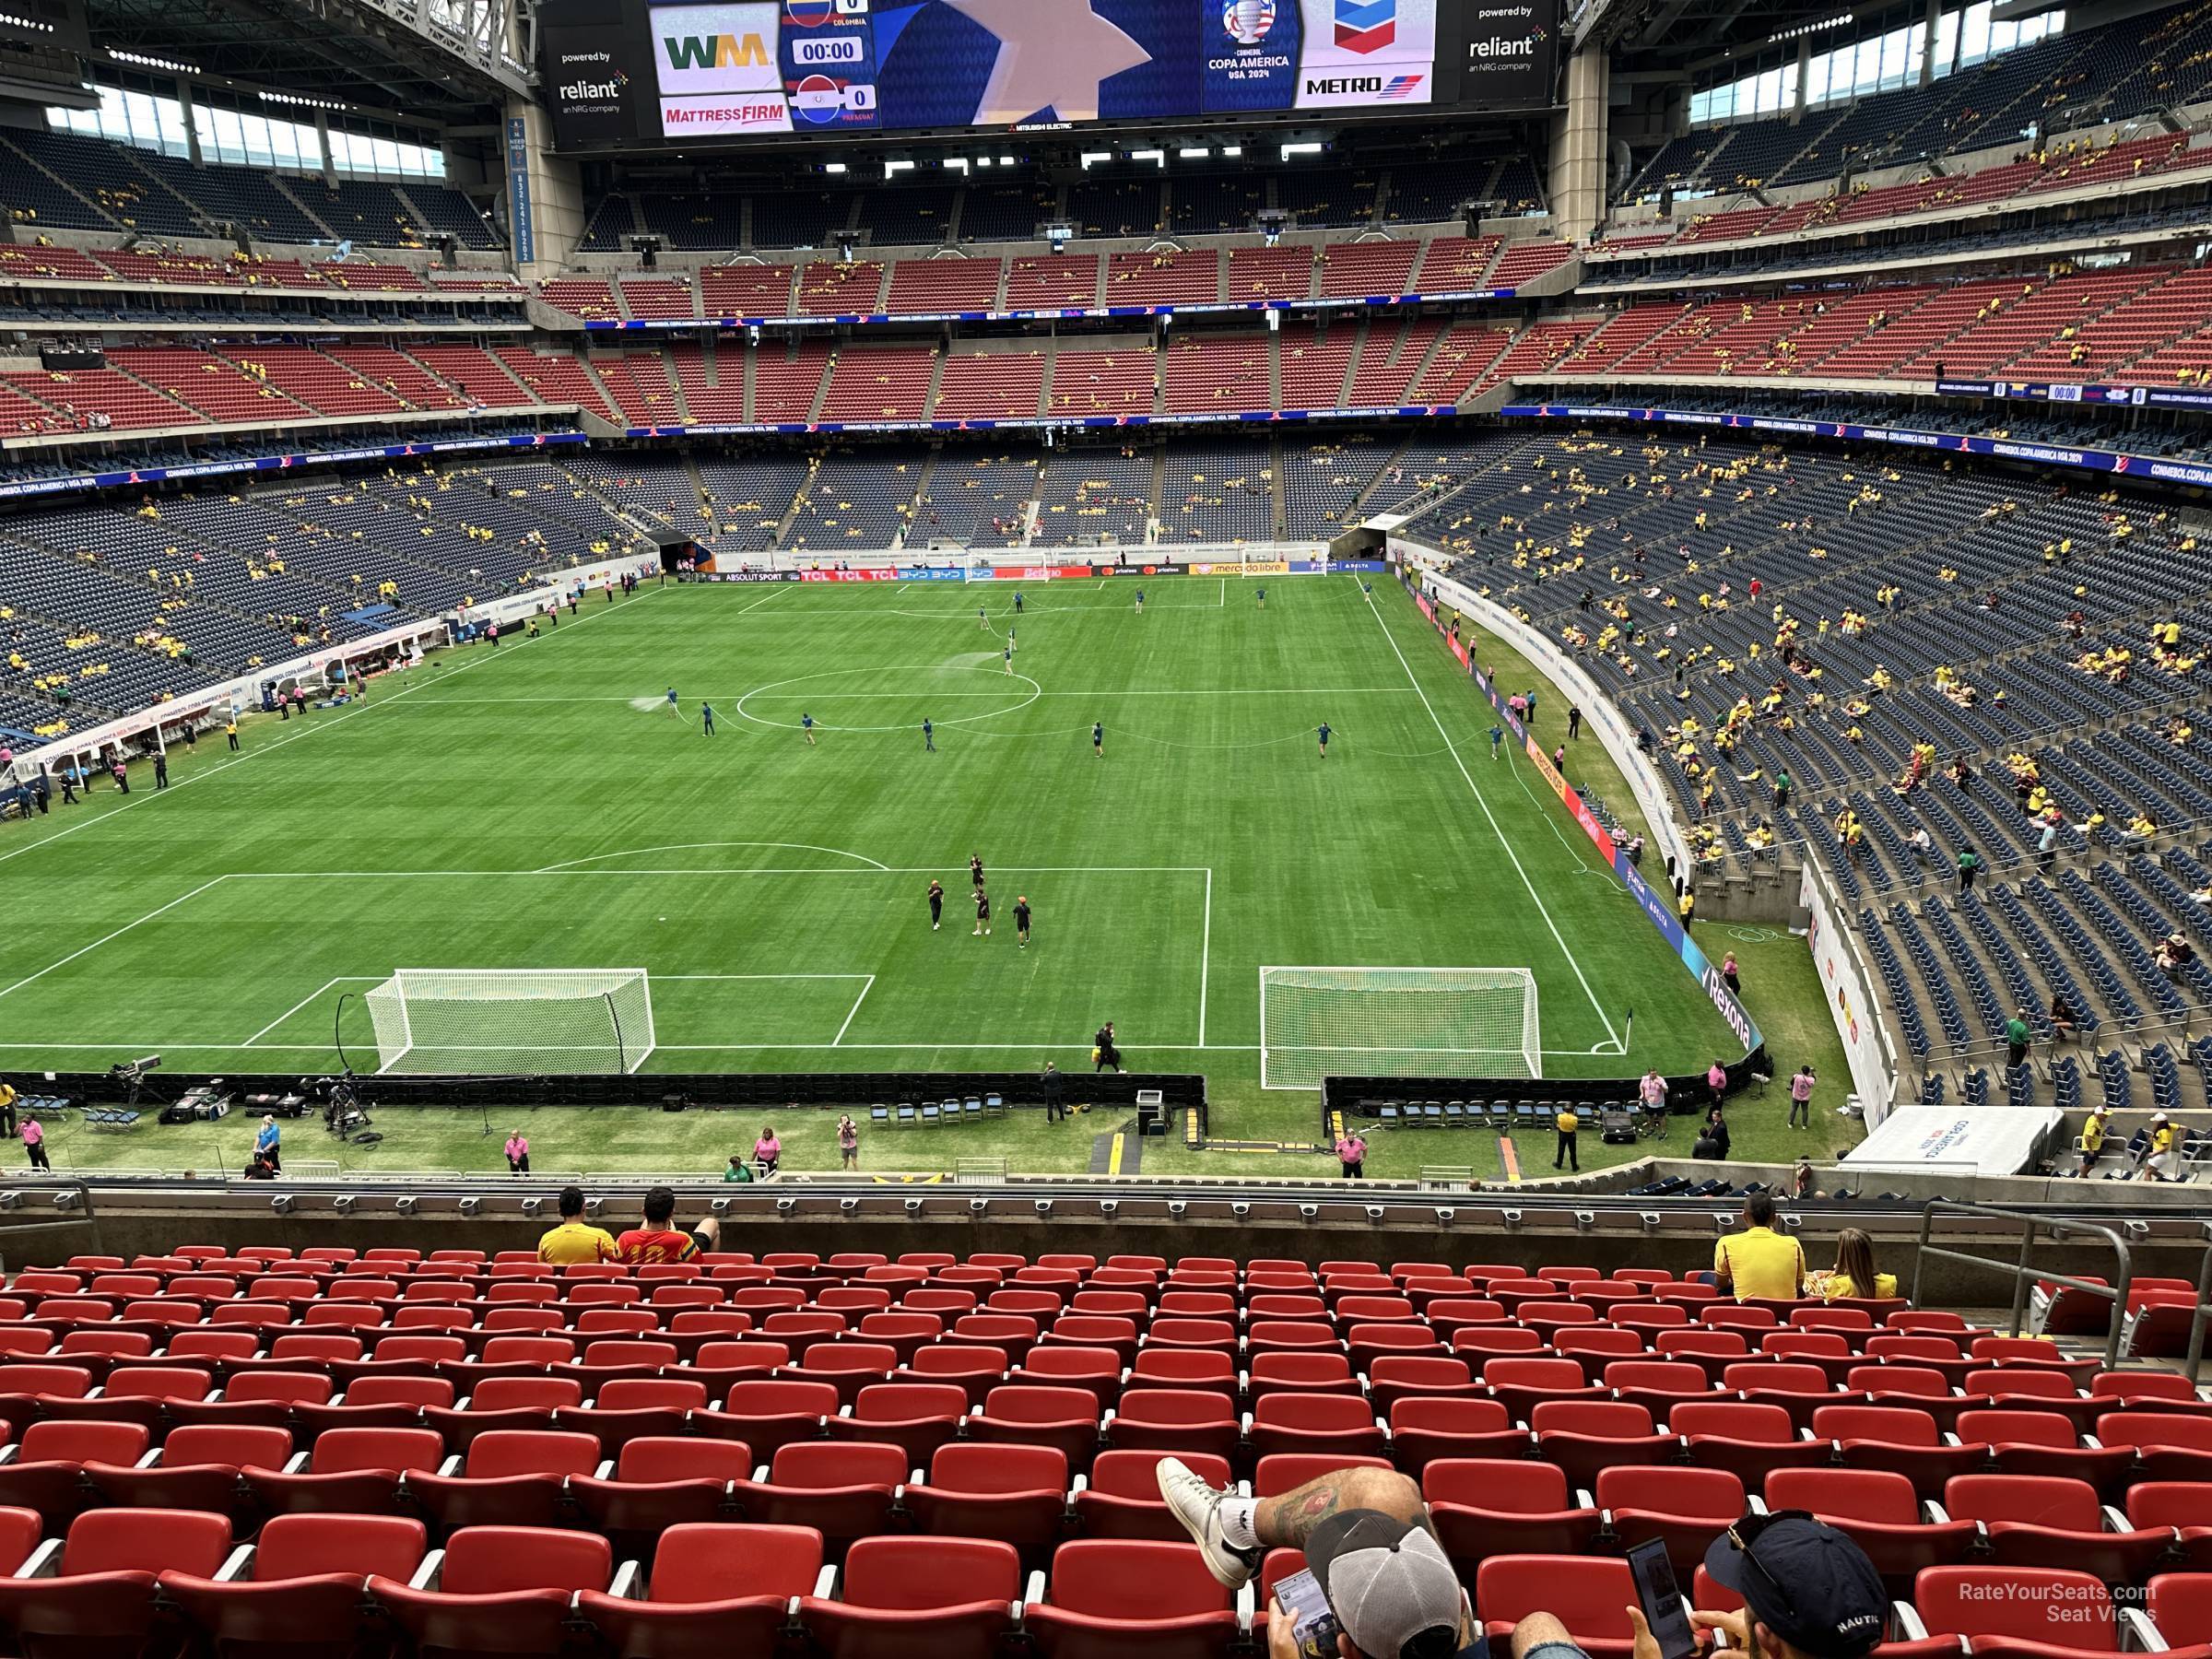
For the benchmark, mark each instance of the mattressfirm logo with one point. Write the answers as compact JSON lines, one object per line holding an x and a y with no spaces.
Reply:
{"x":686,"y":117}
{"x":1366,"y":26}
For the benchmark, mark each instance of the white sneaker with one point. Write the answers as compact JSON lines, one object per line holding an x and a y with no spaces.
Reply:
{"x":1198,"y":1507}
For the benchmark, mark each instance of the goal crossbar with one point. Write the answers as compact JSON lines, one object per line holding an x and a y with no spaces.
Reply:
{"x":503,"y":1020}
{"x":1396,"y":1022}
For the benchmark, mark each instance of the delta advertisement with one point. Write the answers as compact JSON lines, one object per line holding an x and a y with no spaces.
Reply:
{"x":1654,"y":905}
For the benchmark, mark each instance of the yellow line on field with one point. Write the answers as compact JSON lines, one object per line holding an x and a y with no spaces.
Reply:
{"x":1113,"y":1157}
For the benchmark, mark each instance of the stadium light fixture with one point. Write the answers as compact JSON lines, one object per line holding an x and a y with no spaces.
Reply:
{"x":1178,"y":1206}
{"x":1240,"y":1209}
{"x":1233,"y":151}
{"x":976,"y":1206}
{"x":1092,"y":157}
{"x":1045,"y":1206}
{"x":1196,"y":152}
{"x":1306,"y":149}
{"x":848,"y":1205}
{"x":1109,"y":1207}
{"x":1157,"y":157}
{"x":1374,"y":1212}
{"x":1586,"y":1220}
{"x":1445,"y":1215}
{"x":282,"y":1205}
{"x":834,"y":167}
{"x":1006,"y":161}
{"x":892,"y":169}
{"x":959,"y":164}
{"x":406,"y":1205}
{"x":343,"y":1204}
{"x":1511,"y":1218}
{"x":471,"y":1204}
{"x":532,"y":1207}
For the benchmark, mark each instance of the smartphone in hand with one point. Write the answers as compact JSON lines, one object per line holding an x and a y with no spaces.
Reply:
{"x":1661,"y":1599}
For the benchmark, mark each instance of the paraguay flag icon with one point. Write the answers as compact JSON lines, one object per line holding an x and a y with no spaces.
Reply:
{"x":1366,"y":26}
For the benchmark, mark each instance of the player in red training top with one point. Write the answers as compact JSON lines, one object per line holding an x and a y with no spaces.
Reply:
{"x":658,"y":1242}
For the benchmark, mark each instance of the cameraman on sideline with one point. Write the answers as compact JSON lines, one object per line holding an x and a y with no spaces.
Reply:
{"x":1809,"y":1591}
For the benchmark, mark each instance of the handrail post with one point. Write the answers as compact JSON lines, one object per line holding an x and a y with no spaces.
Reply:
{"x":2020,"y":1281}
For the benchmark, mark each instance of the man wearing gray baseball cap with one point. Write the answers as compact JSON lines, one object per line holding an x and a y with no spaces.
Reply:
{"x":1391,"y":1587}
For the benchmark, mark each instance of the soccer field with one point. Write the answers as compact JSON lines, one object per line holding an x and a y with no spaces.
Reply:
{"x":538,"y":804}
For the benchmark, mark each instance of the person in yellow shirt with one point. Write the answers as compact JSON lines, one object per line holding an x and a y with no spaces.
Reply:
{"x":574,"y":1242}
{"x":2091,"y":1144}
{"x":1759,"y":1261}
{"x":1566,"y":1122}
{"x":1853,"y":1274}
{"x":2163,"y":1161}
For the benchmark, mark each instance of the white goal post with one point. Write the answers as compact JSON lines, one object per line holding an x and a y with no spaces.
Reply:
{"x":1396,"y":1022}
{"x":492,"y":1021}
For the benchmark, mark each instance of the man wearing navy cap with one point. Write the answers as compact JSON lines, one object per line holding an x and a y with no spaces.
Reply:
{"x":1809,"y":1591}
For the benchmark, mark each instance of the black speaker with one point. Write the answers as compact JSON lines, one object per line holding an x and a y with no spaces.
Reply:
{"x":65,"y":358}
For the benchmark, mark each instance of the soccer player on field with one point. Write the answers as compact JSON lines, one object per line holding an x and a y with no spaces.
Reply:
{"x":983,"y":913}
{"x":1010,"y":655}
{"x":1497,"y":738}
{"x":706,"y":715}
{"x":671,"y":708}
{"x":937,"y":905}
{"x":807,"y":725}
{"x":1021,"y":919}
{"x":975,"y":870}
{"x":1262,"y":598}
{"x":929,"y":737}
{"x":981,"y":620}
{"x":1140,"y":602}
{"x":1324,"y":740}
{"x":1018,"y":602}
{"x":1011,"y":646}
{"x":1098,"y":739}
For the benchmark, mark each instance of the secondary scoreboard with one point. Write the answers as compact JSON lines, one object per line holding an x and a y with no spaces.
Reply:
{"x":644,"y":75}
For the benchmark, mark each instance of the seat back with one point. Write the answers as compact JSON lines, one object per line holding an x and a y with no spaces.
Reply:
{"x":1734,"y":1420}
{"x":2039,"y":1499}
{"x":495,"y":1560}
{"x":146,"y":1540}
{"x":1712,"y":1495}
{"x":1500,"y":1484}
{"x":500,"y":1453}
{"x":656,"y":1459}
{"x":914,"y":1574}
{"x":1887,"y":1425}
{"x":354,"y":1451}
{"x":1881,"y":1495}
{"x":980,"y":1468}
{"x":2023,"y":1603}
{"x":526,"y":1393}
{"x":1135,"y":1474}
{"x":817,"y":1466}
{"x":60,"y":1441}
{"x":229,"y":1446}
{"x":704,"y":1561}
{"x":292,"y":1546}
{"x":1106,"y":1578}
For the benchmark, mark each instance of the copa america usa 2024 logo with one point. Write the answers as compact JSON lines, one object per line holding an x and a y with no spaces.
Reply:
{"x":1248,"y":21}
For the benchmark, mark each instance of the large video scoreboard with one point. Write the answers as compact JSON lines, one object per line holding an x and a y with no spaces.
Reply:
{"x":633,"y":73}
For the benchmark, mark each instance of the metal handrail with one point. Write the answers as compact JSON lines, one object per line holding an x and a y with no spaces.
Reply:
{"x":2024,"y":1276}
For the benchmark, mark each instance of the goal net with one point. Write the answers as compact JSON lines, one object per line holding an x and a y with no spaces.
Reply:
{"x":484,"y":1020}
{"x":1396,"y":1022}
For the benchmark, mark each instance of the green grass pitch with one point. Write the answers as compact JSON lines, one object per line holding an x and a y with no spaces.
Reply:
{"x":537,"y":805}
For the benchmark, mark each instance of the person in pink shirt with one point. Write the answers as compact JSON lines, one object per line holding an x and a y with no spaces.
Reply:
{"x":1716,"y":1080}
{"x":34,"y":1142}
{"x":1351,"y":1152}
{"x":518,"y":1153}
{"x":768,"y":1151}
{"x":1801,"y":1096}
{"x":1652,"y":1091}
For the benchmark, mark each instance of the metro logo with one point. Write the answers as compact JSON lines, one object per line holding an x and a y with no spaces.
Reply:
{"x":1366,"y":26}
{"x":716,"y":52}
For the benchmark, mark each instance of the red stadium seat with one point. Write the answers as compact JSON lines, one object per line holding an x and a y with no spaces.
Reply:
{"x":1335,"y":1425}
{"x":198,"y":1468}
{"x":843,"y":1491}
{"x":1585,"y":1436}
{"x":299,"y":1589}
{"x":1659,"y":1385}
{"x":1423,"y":1429}
{"x":2015,"y":1612}
{"x":1900,"y":1437}
{"x":663,"y":1481}
{"x":1173,"y":1419}
{"x":1427,"y":1377}
{"x":1098,"y":1371}
{"x":1750,"y":1441}
{"x":1521,"y":1385}
{"x":45,"y":1470}
{"x":715,"y":1590}
{"x":1482,"y":1507}
{"x":497,"y":1590}
{"x":918,"y":1598}
{"x":2043,"y":1443}
{"x":1686,"y":1508}
{"x":1113,"y":1599}
{"x":508,"y":1478}
{"x":1589,"y":1595}
{"x":2184,"y":1505}
{"x":2044,"y":1520}
{"x":100,"y":1601}
{"x":917,"y":1417}
{"x":1015,"y":1493}
{"x":2180,"y":1608}
{"x":2168,"y":1446}
{"x":349,"y":1471}
{"x":1066,"y":1418}
{"x":770,"y":1413}
{"x":1883,"y":1516}
{"x":1120,"y":1496}
{"x":1298,"y":1373}
{"x":632,"y":1407}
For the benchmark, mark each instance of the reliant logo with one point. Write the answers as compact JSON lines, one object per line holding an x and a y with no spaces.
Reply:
{"x":576,"y":91}
{"x":1502,"y":49}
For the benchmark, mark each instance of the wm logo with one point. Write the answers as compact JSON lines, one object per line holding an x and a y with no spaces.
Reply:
{"x":716,"y":52}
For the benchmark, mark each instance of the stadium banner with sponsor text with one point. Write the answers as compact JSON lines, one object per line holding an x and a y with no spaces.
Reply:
{"x":1656,"y":907}
{"x":15,"y":488}
{"x":1847,"y":983}
{"x":1068,"y":313}
{"x":651,"y":74}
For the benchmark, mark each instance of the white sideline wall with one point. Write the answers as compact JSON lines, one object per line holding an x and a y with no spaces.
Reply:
{"x":1849,"y":990}
{"x":1600,"y":714}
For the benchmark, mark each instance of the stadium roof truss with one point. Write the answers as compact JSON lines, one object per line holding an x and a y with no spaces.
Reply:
{"x":441,"y":61}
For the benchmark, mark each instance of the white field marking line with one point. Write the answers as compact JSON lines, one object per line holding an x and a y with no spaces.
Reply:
{"x":88,"y":949}
{"x":1042,"y":1043}
{"x":761,"y":976}
{"x":1541,"y":908}
{"x":775,"y":593}
{"x":855,"y":1008}
{"x":1224,"y":606}
{"x":338,"y":979}
{"x":704,"y":847}
{"x":472,"y":702}
{"x":322,"y":724}
{"x":1206,"y":950}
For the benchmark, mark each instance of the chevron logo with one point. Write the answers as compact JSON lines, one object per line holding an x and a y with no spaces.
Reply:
{"x":1366,"y":25}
